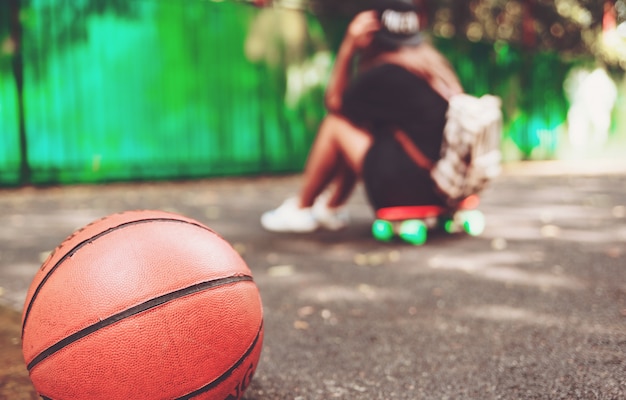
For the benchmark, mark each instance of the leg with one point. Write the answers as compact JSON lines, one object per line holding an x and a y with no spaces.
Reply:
{"x":343,"y":185}
{"x":337,"y":154}
{"x":336,"y":158}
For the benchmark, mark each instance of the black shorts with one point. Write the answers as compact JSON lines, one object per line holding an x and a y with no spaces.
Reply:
{"x":392,"y":178}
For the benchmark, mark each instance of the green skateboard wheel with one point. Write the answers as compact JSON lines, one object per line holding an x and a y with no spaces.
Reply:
{"x":382,"y":230}
{"x":473,"y":222}
{"x":413,"y":231}
{"x":449,"y":225}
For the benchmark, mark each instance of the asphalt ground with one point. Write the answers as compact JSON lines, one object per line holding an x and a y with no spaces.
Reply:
{"x":535,"y":308}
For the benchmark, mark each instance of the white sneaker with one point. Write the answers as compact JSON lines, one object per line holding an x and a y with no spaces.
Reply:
{"x":329,"y":218}
{"x":288,"y":217}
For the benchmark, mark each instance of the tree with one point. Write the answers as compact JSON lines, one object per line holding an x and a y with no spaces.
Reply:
{"x":570,"y":27}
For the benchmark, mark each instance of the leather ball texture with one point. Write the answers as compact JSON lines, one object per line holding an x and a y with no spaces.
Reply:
{"x":142,"y":305}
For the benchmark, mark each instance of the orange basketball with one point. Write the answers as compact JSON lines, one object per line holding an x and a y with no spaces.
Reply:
{"x":142,"y":305}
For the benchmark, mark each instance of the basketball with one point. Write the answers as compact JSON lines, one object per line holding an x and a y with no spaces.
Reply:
{"x":142,"y":305}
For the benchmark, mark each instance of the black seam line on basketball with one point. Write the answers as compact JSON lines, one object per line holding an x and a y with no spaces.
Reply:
{"x":152,"y":303}
{"x":87,"y":241}
{"x":228,"y":373}
{"x":220,"y":379}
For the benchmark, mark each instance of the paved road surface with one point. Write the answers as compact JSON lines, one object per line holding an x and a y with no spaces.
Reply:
{"x":533,"y":309}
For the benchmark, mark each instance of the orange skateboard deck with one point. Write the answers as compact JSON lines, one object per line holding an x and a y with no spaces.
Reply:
{"x":412,"y":223}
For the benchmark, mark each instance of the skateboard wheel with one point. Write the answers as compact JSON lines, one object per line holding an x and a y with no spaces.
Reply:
{"x":382,"y":230}
{"x":450,"y":225}
{"x":474,"y":222}
{"x":413,"y":231}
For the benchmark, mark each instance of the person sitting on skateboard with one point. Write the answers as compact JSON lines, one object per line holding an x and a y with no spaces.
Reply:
{"x":395,"y":102}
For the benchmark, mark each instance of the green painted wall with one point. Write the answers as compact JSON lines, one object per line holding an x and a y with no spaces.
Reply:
{"x":9,"y":138}
{"x":157,"y":90}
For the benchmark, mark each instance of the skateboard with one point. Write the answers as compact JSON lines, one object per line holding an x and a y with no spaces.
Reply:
{"x":412,"y":223}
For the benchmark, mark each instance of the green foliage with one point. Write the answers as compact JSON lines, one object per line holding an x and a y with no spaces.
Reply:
{"x":529,"y":84}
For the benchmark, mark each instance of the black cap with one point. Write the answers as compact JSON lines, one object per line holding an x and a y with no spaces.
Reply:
{"x":400,"y":24}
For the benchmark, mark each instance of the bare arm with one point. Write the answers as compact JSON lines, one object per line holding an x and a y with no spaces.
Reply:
{"x":440,"y":74}
{"x":359,"y":35}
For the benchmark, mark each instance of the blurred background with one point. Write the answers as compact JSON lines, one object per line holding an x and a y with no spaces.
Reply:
{"x":124,"y":90}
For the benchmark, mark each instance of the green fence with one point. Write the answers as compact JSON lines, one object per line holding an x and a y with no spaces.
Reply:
{"x":158,"y":89}
{"x":149,"y":90}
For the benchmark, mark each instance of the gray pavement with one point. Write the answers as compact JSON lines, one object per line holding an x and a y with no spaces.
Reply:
{"x":535,"y":308}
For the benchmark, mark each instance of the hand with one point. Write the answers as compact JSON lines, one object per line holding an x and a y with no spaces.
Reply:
{"x":362,"y":28}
